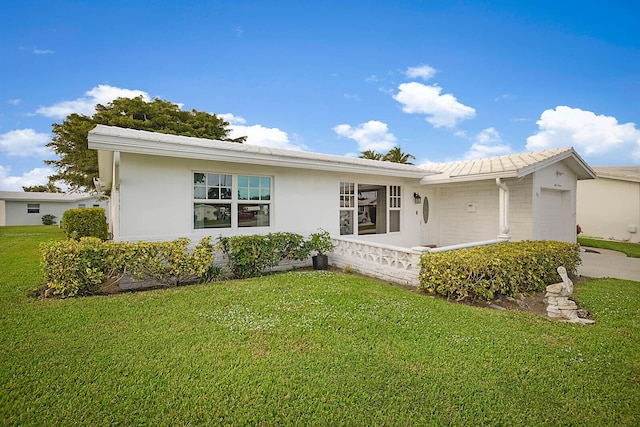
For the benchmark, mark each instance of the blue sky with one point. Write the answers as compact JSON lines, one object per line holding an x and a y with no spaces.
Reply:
{"x":444,"y":80}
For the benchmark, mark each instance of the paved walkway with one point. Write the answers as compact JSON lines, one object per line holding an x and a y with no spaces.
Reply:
{"x":598,"y":262}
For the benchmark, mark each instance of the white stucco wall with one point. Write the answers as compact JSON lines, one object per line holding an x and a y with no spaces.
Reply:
{"x":555,"y":182}
{"x":156,"y":203}
{"x":3,"y":219}
{"x":521,"y":208}
{"x":463,"y":212}
{"x":466,"y":212}
{"x":16,"y":211}
{"x":156,"y":200}
{"x":607,"y":207}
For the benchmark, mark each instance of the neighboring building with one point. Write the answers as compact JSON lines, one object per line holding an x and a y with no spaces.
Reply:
{"x":27,"y":208}
{"x":609,"y":207}
{"x":166,"y":186}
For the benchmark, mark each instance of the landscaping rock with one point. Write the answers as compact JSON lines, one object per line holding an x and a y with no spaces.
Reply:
{"x":559,"y":306}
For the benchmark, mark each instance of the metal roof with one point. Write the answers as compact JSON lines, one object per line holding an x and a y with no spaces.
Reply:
{"x":108,"y":139}
{"x":514,"y":165}
{"x":622,"y":173}
{"x":26,"y":196}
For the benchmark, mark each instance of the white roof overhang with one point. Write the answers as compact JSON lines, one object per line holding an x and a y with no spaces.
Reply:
{"x":109,"y":139}
{"x":26,"y":196}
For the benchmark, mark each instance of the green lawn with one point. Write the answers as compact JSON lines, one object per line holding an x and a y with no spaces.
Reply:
{"x":306,"y":348}
{"x":630,"y":249}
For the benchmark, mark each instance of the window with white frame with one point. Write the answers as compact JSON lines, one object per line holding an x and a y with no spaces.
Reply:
{"x":347,"y":207}
{"x":254,"y":201}
{"x":395,"y":204}
{"x":227,"y":201}
{"x":33,"y":207}
{"x":377,"y":209}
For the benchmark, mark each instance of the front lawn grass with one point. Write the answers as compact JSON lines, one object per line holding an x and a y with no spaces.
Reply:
{"x":630,"y":249}
{"x":306,"y":348}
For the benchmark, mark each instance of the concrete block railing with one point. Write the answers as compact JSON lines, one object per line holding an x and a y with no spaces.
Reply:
{"x":461,"y":245}
{"x":390,"y":263}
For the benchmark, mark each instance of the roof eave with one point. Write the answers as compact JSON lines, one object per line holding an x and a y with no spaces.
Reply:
{"x":572,"y":159}
{"x":617,"y":177}
{"x":105,"y":167}
{"x":446,"y":179}
{"x":109,"y":143}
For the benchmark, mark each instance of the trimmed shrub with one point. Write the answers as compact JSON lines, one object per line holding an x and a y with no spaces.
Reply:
{"x":85,"y":222}
{"x":508,"y":268}
{"x":251,"y":256}
{"x":80,"y":267}
{"x":48,"y":219}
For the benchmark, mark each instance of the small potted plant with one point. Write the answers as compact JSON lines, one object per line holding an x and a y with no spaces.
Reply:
{"x":320,"y":243}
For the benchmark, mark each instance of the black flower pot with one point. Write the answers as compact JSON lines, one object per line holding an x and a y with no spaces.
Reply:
{"x":320,"y":262}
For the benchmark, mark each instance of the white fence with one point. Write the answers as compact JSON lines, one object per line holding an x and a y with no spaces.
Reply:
{"x":391,"y":263}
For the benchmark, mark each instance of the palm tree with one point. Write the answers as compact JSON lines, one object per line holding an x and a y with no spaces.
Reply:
{"x":371,"y":155}
{"x":395,"y":155}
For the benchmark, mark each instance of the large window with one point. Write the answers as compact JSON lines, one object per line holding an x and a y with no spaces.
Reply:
{"x":226,"y":201}
{"x":376,"y":210}
{"x":254,"y":198}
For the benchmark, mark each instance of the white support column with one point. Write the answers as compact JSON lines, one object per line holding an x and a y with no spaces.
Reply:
{"x":504,"y":228}
{"x":115,"y":198}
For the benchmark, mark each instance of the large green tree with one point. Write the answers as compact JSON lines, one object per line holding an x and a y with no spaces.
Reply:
{"x":77,"y":165}
{"x":49,"y":187}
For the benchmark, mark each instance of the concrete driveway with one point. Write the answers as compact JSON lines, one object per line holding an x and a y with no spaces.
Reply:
{"x":598,"y":262}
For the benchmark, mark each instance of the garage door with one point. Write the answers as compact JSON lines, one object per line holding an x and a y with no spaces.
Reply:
{"x":553,"y":216}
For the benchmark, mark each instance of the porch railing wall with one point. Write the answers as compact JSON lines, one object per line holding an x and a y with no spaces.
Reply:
{"x":390,"y":263}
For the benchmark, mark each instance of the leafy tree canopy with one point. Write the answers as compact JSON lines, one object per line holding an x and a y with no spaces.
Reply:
{"x":394,"y":155}
{"x":371,"y":155}
{"x":397,"y":156}
{"x":49,"y":187}
{"x":78,"y":165}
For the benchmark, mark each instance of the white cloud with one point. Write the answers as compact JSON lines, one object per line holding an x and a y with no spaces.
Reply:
{"x":234,"y":120}
{"x":101,"y":94}
{"x":424,"y":72}
{"x":14,"y":101}
{"x":37,"y":176}
{"x":488,"y":143}
{"x":584,"y":130}
{"x":25,"y":143}
{"x":441,"y":110}
{"x":43,"y":51}
{"x":372,"y":135}
{"x":258,"y":134}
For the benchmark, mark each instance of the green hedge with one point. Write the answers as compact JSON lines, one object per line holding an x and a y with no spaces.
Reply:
{"x":251,"y":256}
{"x":81,"y":267}
{"x":506,"y":268}
{"x":85,"y":222}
